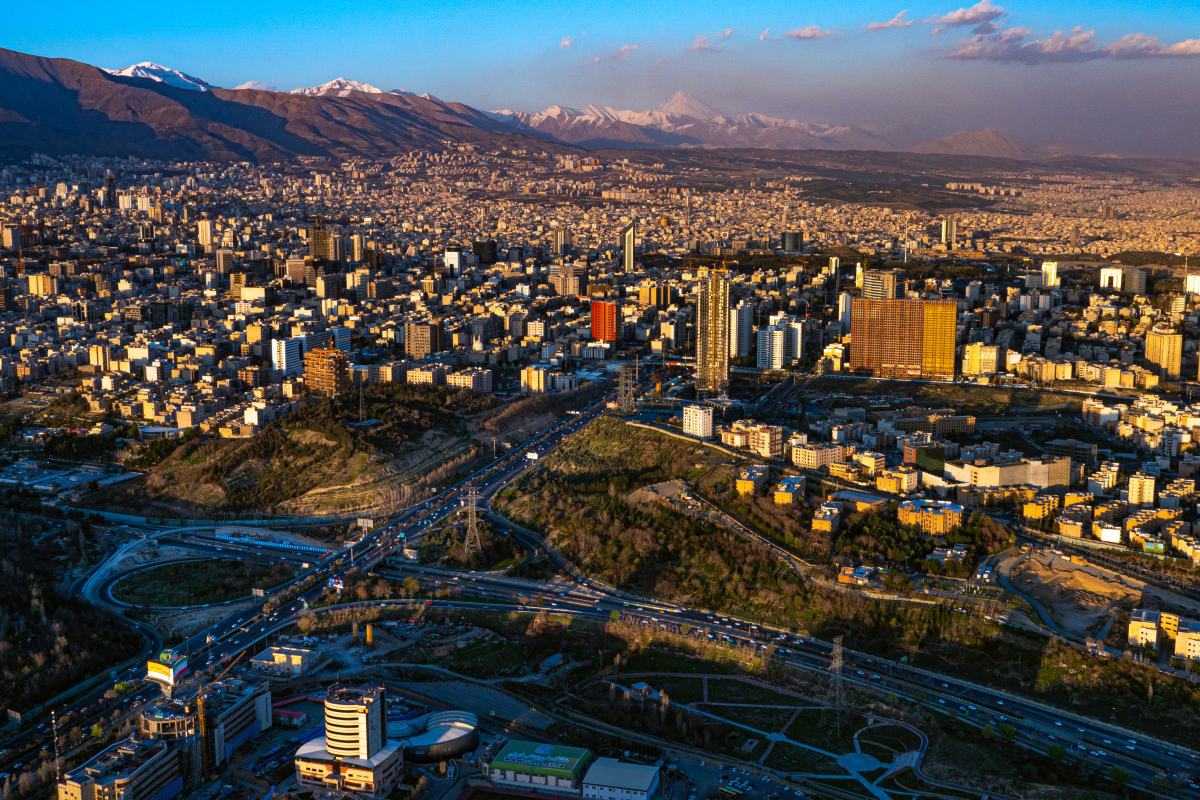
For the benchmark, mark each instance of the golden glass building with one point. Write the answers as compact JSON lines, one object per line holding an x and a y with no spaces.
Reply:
{"x":903,"y":338}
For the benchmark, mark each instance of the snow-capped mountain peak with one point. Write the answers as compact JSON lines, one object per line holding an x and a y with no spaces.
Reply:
{"x":157,"y":72}
{"x":340,"y":87}
{"x":683,"y":104}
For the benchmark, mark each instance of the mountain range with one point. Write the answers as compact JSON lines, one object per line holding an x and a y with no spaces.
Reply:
{"x":59,"y":106}
{"x":687,"y":121}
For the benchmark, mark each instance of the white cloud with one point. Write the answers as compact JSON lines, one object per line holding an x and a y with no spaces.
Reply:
{"x":567,"y":41}
{"x":763,"y":36}
{"x":897,"y":21}
{"x":811,"y":32}
{"x":1077,"y":45}
{"x":982,"y":15}
{"x":624,"y":51}
{"x":725,"y":34}
{"x":702,"y":44}
{"x":258,"y":86}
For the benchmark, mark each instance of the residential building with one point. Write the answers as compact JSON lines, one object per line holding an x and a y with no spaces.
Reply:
{"x":325,"y":372}
{"x":287,"y":355}
{"x":422,"y":339}
{"x":899,"y":480}
{"x":882,"y":284}
{"x":698,"y":421}
{"x":752,"y":479}
{"x":1164,"y":350}
{"x":904,"y":338}
{"x":1141,"y":490}
{"x":1143,"y":627}
{"x":741,"y":329}
{"x":476,"y":380}
{"x":790,"y":490}
{"x":606,"y":324}
{"x":712,"y":338}
{"x":934,"y":517}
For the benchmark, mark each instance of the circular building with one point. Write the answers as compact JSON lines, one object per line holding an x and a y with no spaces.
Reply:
{"x":437,"y":736}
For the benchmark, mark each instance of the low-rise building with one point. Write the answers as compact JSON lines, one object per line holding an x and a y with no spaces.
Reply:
{"x":752,"y":479}
{"x":935,"y":517}
{"x":543,"y":767}
{"x":291,"y":661}
{"x":132,"y":769}
{"x":1143,"y":627}
{"x":898,"y":480}
{"x":828,"y":518}
{"x":1041,"y":507}
{"x":790,"y":490}
{"x":610,"y":779}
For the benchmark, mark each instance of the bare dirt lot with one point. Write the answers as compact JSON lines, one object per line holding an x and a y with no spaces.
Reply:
{"x":1080,"y":597}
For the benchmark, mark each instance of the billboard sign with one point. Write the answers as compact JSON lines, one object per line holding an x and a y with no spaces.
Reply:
{"x":169,"y":674}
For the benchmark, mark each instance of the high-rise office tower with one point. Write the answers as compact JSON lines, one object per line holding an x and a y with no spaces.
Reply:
{"x":604,"y":322}
{"x":949,"y":232}
{"x":882,"y":284}
{"x":712,"y":336}
{"x":792,"y":241}
{"x":858,"y":275}
{"x":1050,"y":278}
{"x":844,"y":303}
{"x":224,"y":262}
{"x":562,"y":242}
{"x":741,"y":328}
{"x":355,"y":721}
{"x":1164,"y":349}
{"x":204,"y":232}
{"x":903,"y":338}
{"x":628,"y":242}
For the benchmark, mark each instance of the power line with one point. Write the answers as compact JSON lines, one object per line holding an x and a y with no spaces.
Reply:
{"x":473,"y":545}
{"x":835,"y":698}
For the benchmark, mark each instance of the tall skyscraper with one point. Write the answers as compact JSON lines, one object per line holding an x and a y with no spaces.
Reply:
{"x":949,"y":232}
{"x":741,"y":328}
{"x":204,"y":232}
{"x":604,"y":322}
{"x":562,"y":242}
{"x":628,"y":242}
{"x":844,"y":303}
{"x":712,"y":336}
{"x":1050,"y":278}
{"x":792,"y":241}
{"x":224,"y":262}
{"x":1164,"y":349}
{"x":903,"y":338}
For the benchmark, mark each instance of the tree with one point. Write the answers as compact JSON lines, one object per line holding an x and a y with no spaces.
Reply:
{"x":97,"y":731}
{"x":1008,"y":732}
{"x":412,"y":586}
{"x":988,"y":732}
{"x":1119,"y":776}
{"x":1056,"y":752}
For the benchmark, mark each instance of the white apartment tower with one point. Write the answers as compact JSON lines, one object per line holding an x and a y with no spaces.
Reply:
{"x":698,"y":421}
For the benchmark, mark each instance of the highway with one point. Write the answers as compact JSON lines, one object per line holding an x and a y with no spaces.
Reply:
{"x":1035,"y":725}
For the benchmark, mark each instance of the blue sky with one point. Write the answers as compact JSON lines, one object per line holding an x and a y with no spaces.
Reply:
{"x":1111,"y":76}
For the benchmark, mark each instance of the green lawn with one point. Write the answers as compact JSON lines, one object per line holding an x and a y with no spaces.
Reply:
{"x":191,"y":583}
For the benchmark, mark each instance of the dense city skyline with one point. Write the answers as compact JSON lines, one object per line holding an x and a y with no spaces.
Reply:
{"x":1062,"y":73}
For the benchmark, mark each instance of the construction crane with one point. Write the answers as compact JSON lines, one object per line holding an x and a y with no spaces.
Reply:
{"x":201,"y":720}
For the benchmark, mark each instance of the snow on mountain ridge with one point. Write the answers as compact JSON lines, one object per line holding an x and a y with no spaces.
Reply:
{"x":342,"y":87}
{"x":157,"y":72}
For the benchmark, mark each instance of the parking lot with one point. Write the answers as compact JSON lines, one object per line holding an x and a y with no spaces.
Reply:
{"x":706,"y":779}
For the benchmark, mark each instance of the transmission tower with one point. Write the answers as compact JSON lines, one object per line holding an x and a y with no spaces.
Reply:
{"x":835,"y":698}
{"x":625,"y":396}
{"x":473,"y":545}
